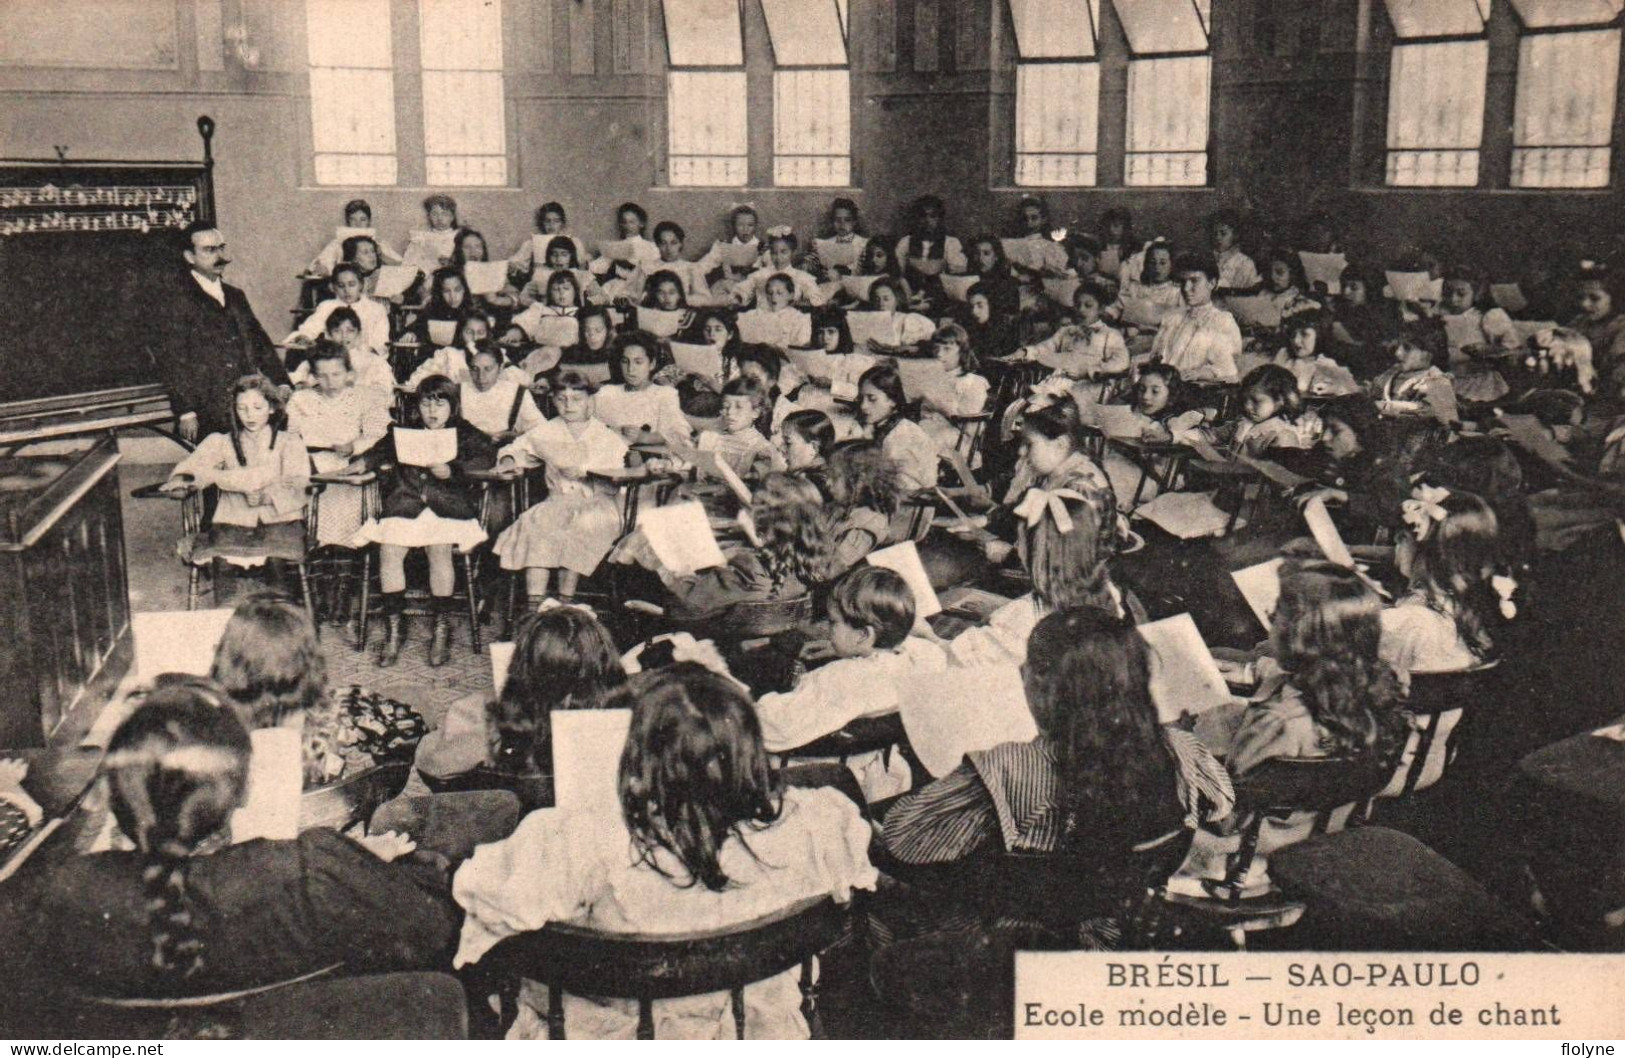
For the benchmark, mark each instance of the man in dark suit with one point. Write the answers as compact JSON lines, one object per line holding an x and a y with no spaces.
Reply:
{"x":207,"y":337}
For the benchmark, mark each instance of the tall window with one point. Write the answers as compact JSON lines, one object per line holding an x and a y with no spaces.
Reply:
{"x":1057,"y":92}
{"x":812,"y":93}
{"x":707,"y":138}
{"x":1436,"y":84}
{"x":1169,"y":82}
{"x":352,"y":91}
{"x":1568,"y":80}
{"x":464,"y":119}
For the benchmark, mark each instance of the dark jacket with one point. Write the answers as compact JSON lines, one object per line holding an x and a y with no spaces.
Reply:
{"x":200,"y":349}
{"x":408,"y":490}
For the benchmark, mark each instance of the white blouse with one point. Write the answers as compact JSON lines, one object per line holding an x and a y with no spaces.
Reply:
{"x":1201,"y":343}
{"x":654,"y":406}
{"x":490,"y":411}
{"x":374,"y":316}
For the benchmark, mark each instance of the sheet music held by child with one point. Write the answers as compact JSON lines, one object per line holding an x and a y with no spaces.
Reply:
{"x":1411,"y":286}
{"x":834,"y":254}
{"x":958,"y":287}
{"x":740,"y":256}
{"x":904,"y":560}
{"x":559,"y":332}
{"x":1036,"y":254}
{"x":1062,"y":291}
{"x":486,"y":277}
{"x":587,"y":745}
{"x":659,"y":322}
{"x":1509,"y":296}
{"x":702,"y":360}
{"x":425,"y":448}
{"x":858,"y":286}
{"x":1324,"y":530}
{"x":1324,"y":268}
{"x":1144,"y":314}
{"x":276,"y":778}
{"x":1186,"y":515}
{"x":1260,"y":585}
{"x":1256,"y":310}
{"x":1117,"y":420}
{"x":680,"y":536}
{"x":1185,"y":680}
{"x":864,"y":326}
{"x":442,"y":332}
{"x":501,"y":660}
{"x":395,"y":280}
{"x":957,"y":711}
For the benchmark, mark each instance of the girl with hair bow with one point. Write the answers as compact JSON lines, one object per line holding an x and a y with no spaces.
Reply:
{"x":1459,"y":594}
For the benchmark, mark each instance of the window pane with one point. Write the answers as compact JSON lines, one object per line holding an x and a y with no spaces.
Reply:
{"x":1565,"y":113}
{"x":352,"y":111}
{"x":460,"y":34}
{"x":812,"y":127}
{"x":1055,"y":29}
{"x":1057,"y":124}
{"x":705,"y":113}
{"x":1168,"y":122}
{"x":1438,"y":18}
{"x":349,"y":33}
{"x":704,"y":33}
{"x":353,"y":169}
{"x":805,"y":32}
{"x":1156,"y":27}
{"x":463,"y":118}
{"x":1546,"y":14}
{"x":1436,"y":113}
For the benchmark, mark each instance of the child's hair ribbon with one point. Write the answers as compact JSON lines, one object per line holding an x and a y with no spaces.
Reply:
{"x":1037,"y":501}
{"x":1424,"y":508}
{"x":1504,"y":587}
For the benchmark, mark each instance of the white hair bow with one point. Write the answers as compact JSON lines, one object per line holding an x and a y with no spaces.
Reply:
{"x":1037,"y":501}
{"x":1504,"y":587}
{"x":1425,"y":507}
{"x":192,"y":760}
{"x":780,"y":231}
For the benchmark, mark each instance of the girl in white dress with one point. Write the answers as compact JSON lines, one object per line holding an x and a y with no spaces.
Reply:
{"x":637,"y":405}
{"x":338,"y":421}
{"x":349,"y":289}
{"x":958,"y":391}
{"x":572,"y":530}
{"x":776,"y":321}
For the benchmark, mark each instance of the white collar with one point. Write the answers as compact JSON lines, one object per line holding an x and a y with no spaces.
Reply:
{"x":215,"y":288}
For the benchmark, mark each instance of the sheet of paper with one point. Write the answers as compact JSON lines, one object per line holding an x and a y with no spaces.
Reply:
{"x":711,"y":464}
{"x":1144,"y":313}
{"x":702,"y":360}
{"x":958,"y":287}
{"x":836,"y":254}
{"x":176,"y":641}
{"x":661,"y":323}
{"x":1062,"y":291}
{"x":1118,"y":420}
{"x":858,"y":286}
{"x":427,"y":248}
{"x":1184,"y":677}
{"x":560,"y":332}
{"x":920,"y":377}
{"x":1186,"y":515}
{"x":958,"y":711}
{"x":587,"y":746}
{"x":442,"y":332}
{"x":740,"y":256}
{"x":276,"y":777}
{"x":1255,"y":310}
{"x":1509,"y":296}
{"x":1260,"y":585}
{"x":501,"y":659}
{"x":880,"y":326}
{"x":425,"y":448}
{"x":974,"y":601}
{"x":395,"y":280}
{"x":486,"y":277}
{"x":904,"y":560}
{"x":621,"y":250}
{"x":1324,"y":530}
{"x":1324,"y":268}
{"x":1411,"y":286}
{"x":1036,"y":254}
{"x":680,"y":536}
{"x":1462,"y":332}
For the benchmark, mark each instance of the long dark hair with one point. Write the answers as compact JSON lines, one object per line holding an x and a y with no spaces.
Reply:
{"x":1088,"y":681}
{"x":1454,"y":566}
{"x":176,"y":769}
{"x":694,"y":772}
{"x":269,"y":661}
{"x":562,"y":659}
{"x":279,"y":414}
{"x":863,"y":475}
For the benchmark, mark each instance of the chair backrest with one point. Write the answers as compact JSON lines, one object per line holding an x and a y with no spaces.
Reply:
{"x":1284,"y":785}
{"x":863,"y":735}
{"x":1437,"y":704}
{"x":343,"y":804}
{"x":758,"y":618}
{"x":216,"y":1016}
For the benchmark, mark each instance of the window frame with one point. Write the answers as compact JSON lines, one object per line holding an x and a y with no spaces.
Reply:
{"x":1096,"y":17}
{"x":1525,"y":31}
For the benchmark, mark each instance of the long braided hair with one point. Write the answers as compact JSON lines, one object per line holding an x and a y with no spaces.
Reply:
{"x":176,"y":769}
{"x":279,"y":415}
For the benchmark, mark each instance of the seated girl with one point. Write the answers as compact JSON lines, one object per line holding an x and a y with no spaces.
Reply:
{"x":357,"y":223}
{"x":272,"y":668}
{"x":730,"y":259}
{"x":806,"y":439}
{"x":745,"y":449}
{"x":1158,"y":408}
{"x":701,"y":393}
{"x":562,"y":659}
{"x":781,"y":252}
{"x":1238,"y":274}
{"x":562,"y":298}
{"x":790,"y":553}
{"x":1416,"y":386}
{"x":1284,"y":284}
{"x":993,"y":335}
{"x":1152,"y":283}
{"x":636,"y":406}
{"x":767,"y":367}
{"x":367,"y":254}
{"x":338,"y":421}
{"x":876,"y":262}
{"x":663,"y":310}
{"x":560,"y":259}
{"x":1087,"y":353}
{"x":1363,"y":324}
{"x":846,"y":245}
{"x":434,"y":507}
{"x":449,"y":305}
{"x":470,"y":248}
{"x":960,"y":391}
{"x":861,"y":483}
{"x":871,"y":613}
{"x":716,"y":841}
{"x":452,"y":359}
{"x":775,"y":321}
{"x":571,"y":531}
{"x":896,"y":331}
{"x":992,"y":269}
{"x":1202,"y":341}
{"x":493,"y":402}
{"x":533,"y":256}
{"x":1361,"y":465}
{"x":371,"y":370}
{"x":1318,"y":375}
{"x":1459,"y":591}
{"x":261,"y":470}
{"x":349,"y":292}
{"x":669,"y":239}
{"x":1476,"y":333}
{"x":886,"y":416}
{"x":186,"y":913}
{"x":1270,"y":410}
{"x":631,"y":220}
{"x":590,"y":356}
{"x":1602,"y":321}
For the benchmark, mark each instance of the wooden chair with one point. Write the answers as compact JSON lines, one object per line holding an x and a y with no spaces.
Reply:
{"x":1160,"y":464}
{"x":1436,"y":707}
{"x":1277,"y":789}
{"x":755,"y":620}
{"x":334,"y":567}
{"x":343,"y":804}
{"x":971,"y":428}
{"x":588,"y":962}
{"x":867,"y":734}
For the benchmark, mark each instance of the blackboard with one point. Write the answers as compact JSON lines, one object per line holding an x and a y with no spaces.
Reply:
{"x":84,"y":248}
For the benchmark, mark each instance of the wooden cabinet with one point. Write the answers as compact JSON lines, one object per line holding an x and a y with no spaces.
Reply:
{"x":64,"y":598}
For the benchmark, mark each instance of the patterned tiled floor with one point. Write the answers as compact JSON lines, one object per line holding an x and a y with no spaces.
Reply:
{"x":158,"y":582}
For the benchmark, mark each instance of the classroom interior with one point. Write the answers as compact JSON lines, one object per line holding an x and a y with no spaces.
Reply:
{"x":1405,"y":147}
